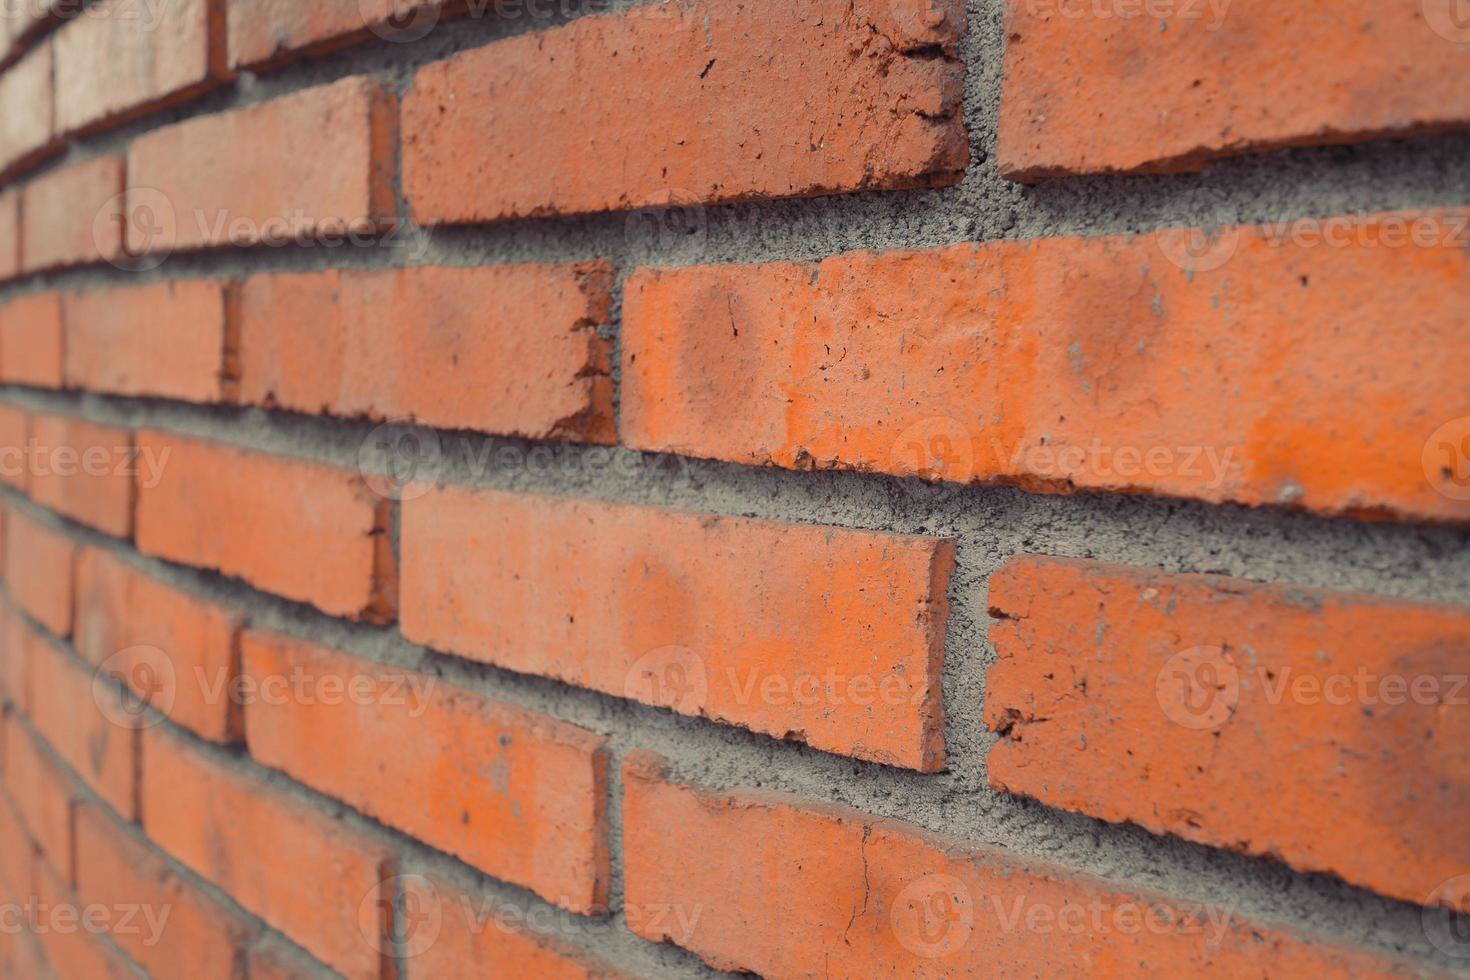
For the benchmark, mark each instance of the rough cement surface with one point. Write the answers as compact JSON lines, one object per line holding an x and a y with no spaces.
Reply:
{"x":989,"y":524}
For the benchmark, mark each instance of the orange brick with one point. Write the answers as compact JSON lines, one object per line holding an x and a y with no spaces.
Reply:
{"x":38,"y":570}
{"x":689,"y":102}
{"x":26,"y":123}
{"x":70,"y":215}
{"x":1076,"y":364}
{"x":166,"y":340}
{"x":70,"y":946}
{"x":15,"y":469}
{"x":86,"y":723}
{"x":9,"y":234}
{"x":16,"y":852}
{"x":42,"y":796}
{"x":302,"y":530}
{"x":518,"y":795}
{"x":117,"y":62}
{"x":31,"y":341}
{"x":759,"y":881}
{"x":297,"y":868}
{"x":266,"y":33}
{"x":512,"y":350}
{"x":237,"y":178}
{"x":84,"y":471}
{"x":1166,"y":701}
{"x":1074,"y":102}
{"x":178,"y":932}
{"x":175,"y":649}
{"x":839,"y":643}
{"x":16,"y":638}
{"x":464,"y":931}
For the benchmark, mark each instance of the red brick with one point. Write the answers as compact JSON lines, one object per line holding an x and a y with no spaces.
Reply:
{"x":16,"y":638}
{"x":1262,"y":381}
{"x":266,"y":33}
{"x":1088,"y":693}
{"x":462,"y":932}
{"x":690,"y":102}
{"x":165,"y":340}
{"x":314,"y":164}
{"x":119,"y":61}
{"x":70,"y":215}
{"x":1075,"y":100}
{"x":518,"y":795}
{"x":31,"y":341}
{"x":38,"y":570}
{"x":86,"y":723}
{"x":839,"y":644}
{"x":512,"y":350}
{"x":42,"y":796}
{"x":15,"y":457}
{"x":176,"y":649}
{"x":303,"y":530}
{"x":9,"y":234}
{"x":299,"y":869}
{"x":84,"y":471}
{"x":179,"y":932}
{"x":759,"y":881}
{"x":70,"y":947}
{"x":26,"y":124}
{"x":16,"y":852}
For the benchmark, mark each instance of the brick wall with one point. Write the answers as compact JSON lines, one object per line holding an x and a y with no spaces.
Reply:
{"x":809,"y":488}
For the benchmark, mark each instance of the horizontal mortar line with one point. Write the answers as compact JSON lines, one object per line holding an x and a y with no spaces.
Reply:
{"x":617,"y":475}
{"x":407,"y":848}
{"x":603,"y":234}
{"x":1186,"y":871}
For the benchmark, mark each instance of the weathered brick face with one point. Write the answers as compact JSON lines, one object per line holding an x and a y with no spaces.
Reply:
{"x":794,"y":488}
